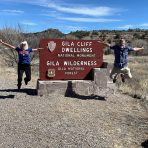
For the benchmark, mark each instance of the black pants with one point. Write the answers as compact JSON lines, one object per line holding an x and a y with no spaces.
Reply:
{"x":21,"y":69}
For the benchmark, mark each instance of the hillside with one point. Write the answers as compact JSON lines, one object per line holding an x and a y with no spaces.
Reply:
{"x":94,"y":34}
{"x":105,"y":35}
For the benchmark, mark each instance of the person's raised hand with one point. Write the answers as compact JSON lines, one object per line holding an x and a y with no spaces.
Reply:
{"x":142,"y":47}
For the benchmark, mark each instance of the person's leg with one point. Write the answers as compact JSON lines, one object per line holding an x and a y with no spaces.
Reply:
{"x":122,"y":77}
{"x":20,"y":75}
{"x":28,"y":74}
{"x":127,"y":72}
{"x":114,"y":73}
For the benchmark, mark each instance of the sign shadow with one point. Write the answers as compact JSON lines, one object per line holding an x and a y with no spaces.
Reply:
{"x":145,"y":144}
{"x":71,"y":93}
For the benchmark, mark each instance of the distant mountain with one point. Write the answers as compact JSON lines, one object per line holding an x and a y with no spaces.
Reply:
{"x":94,"y":34}
{"x":49,"y":33}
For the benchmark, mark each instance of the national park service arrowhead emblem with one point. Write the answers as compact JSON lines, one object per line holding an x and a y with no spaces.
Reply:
{"x":51,"y":46}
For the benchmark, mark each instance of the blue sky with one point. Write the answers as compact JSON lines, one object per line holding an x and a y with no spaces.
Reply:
{"x":72,"y":15}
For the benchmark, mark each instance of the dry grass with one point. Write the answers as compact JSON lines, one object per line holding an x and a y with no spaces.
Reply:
{"x":138,"y":85}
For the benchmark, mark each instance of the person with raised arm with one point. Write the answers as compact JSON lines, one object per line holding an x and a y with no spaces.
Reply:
{"x":24,"y":61}
{"x":121,"y":59}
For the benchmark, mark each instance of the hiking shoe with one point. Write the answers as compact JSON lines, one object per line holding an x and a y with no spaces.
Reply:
{"x":122,"y":78}
{"x":114,"y":80}
{"x":25,"y":80}
{"x":18,"y":86}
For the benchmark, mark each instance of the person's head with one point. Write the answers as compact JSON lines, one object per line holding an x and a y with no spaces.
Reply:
{"x":24,"y":45}
{"x":121,"y":42}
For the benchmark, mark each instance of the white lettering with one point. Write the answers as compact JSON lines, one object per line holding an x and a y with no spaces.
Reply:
{"x":66,"y":55}
{"x":85,"y":55}
{"x":76,"y":68}
{"x":80,"y":63}
{"x":77,"y":50}
{"x":62,"y":68}
{"x":84,"y":43}
{"x":67,"y":43}
{"x":71,"y":73}
{"x":53,"y":63}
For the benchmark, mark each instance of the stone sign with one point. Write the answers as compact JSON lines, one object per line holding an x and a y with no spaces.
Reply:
{"x":63,"y":59}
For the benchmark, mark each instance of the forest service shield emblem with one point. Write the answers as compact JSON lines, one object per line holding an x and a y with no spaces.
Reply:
{"x":51,"y":46}
{"x":51,"y":73}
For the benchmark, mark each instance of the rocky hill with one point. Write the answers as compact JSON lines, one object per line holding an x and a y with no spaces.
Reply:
{"x":94,"y":34}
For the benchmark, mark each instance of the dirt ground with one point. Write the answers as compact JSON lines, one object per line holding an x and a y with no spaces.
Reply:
{"x":56,"y":121}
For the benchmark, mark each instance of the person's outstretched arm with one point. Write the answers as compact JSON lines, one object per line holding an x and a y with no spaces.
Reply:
{"x":137,"y":48}
{"x":36,"y":49}
{"x":105,"y":44}
{"x":6,"y":44}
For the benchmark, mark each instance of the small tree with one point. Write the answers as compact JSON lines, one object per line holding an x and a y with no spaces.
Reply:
{"x":13,"y":37}
{"x":80,"y":34}
{"x":117,"y":36}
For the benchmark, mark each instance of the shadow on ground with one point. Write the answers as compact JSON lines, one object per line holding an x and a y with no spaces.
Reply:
{"x":7,"y":97}
{"x":145,"y":144}
{"x":28,"y":91}
{"x":71,"y":93}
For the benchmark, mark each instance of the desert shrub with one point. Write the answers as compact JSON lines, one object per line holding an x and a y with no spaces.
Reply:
{"x":94,"y":32}
{"x":138,"y":85}
{"x":137,"y":35}
{"x":117,"y":36}
{"x":80,"y":34}
{"x":70,"y":36}
{"x":103,"y":36}
{"x":13,"y":37}
{"x":108,"y":51}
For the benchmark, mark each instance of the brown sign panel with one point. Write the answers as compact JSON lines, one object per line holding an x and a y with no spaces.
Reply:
{"x":69,"y":59}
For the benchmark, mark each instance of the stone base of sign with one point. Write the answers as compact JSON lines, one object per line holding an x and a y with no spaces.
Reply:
{"x":77,"y":87}
{"x":100,"y":77}
{"x":67,"y":87}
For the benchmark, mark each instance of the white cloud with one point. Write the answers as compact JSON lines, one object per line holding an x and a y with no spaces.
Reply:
{"x":74,"y":28}
{"x":89,"y":20}
{"x":26,"y":1}
{"x":11,"y":12}
{"x":126,"y":27}
{"x":29,"y":23}
{"x":144,"y":25}
{"x":91,"y":11}
{"x":60,"y":6}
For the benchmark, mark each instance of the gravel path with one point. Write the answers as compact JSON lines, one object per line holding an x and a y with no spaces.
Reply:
{"x":30,"y":121}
